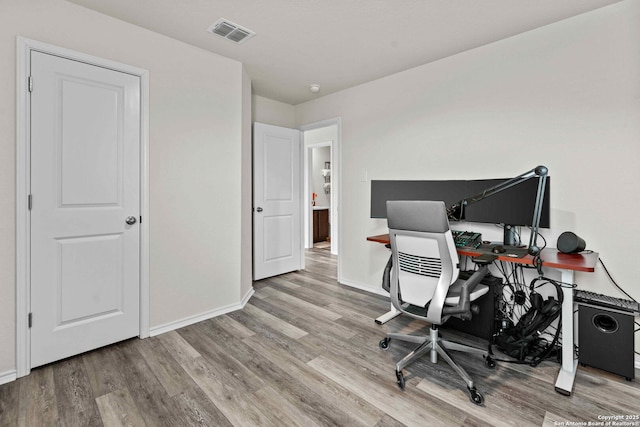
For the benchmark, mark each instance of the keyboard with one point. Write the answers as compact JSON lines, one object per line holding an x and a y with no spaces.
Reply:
{"x":467,"y":239}
{"x":606,"y":301}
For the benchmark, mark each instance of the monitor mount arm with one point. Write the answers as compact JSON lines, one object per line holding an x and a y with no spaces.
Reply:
{"x":456,"y":211}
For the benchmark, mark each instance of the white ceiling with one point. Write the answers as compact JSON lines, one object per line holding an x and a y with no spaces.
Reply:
{"x":339,"y":43}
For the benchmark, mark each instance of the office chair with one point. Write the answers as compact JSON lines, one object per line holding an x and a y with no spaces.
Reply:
{"x":424,"y":283}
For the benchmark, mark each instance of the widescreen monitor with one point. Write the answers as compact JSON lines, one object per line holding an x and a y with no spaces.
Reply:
{"x":513,"y":206}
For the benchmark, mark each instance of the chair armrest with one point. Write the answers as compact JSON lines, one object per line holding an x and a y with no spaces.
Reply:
{"x":386,"y":275}
{"x":464,"y":305}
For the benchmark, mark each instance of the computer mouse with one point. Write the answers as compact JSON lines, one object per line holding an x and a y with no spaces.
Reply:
{"x":498,"y":249}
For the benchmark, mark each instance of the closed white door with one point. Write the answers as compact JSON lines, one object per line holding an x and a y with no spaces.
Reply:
{"x":277,"y":231}
{"x":85,"y":189}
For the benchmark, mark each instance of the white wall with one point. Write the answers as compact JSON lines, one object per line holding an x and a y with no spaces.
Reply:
{"x":566,"y":96}
{"x":196,"y":158}
{"x":272,"y":112}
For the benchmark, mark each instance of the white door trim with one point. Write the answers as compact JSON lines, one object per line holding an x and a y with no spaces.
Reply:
{"x":308,"y":180}
{"x":23,"y":172}
{"x":336,"y":183}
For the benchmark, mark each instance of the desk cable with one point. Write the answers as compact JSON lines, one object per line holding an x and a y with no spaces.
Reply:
{"x":532,"y":322}
{"x":606,"y":270}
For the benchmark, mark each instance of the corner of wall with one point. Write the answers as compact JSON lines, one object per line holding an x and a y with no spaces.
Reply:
{"x":246,"y":245}
{"x":273,"y":112}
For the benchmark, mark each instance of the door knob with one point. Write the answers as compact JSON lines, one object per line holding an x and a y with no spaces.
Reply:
{"x":131,"y":220}
{"x":258,"y":209}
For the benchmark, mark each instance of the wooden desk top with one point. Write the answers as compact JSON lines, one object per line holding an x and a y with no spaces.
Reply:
{"x":551,"y":257}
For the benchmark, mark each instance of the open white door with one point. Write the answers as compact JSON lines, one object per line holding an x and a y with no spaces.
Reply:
{"x":85,"y":187}
{"x":277,"y":208}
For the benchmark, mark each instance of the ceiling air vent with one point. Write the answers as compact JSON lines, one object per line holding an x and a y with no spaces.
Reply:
{"x":231,"y":31}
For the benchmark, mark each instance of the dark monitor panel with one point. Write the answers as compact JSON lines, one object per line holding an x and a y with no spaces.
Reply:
{"x":513,"y":206}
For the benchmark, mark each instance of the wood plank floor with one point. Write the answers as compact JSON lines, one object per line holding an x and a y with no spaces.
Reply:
{"x":304,"y":351}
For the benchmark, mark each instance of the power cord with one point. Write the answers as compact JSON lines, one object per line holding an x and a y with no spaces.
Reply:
{"x":516,"y":304}
{"x":606,"y":270}
{"x":614,"y":282}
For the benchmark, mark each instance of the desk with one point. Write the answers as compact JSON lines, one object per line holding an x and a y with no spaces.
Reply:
{"x":552,"y":258}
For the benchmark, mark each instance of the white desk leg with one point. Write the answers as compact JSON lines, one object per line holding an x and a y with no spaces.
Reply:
{"x":564,"y":382}
{"x":388,"y":316}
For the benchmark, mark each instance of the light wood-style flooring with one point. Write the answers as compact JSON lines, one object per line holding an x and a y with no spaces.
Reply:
{"x":304,"y":351}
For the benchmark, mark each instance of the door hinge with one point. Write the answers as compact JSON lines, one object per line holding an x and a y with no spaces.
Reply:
{"x":29,"y":201}
{"x":140,"y":219}
{"x":30,"y":84}
{"x":30,"y":320}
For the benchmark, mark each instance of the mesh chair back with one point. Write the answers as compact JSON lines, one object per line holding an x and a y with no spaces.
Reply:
{"x":425,"y":261}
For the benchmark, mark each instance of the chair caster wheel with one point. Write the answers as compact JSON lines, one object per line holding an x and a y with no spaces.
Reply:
{"x":400,"y":379}
{"x":490,"y":362}
{"x":384,"y":343}
{"x":475,"y":396}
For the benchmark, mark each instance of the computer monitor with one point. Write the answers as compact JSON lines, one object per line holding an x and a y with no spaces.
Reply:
{"x":511,"y":207}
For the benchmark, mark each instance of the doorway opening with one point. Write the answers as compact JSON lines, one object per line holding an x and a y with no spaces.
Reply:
{"x":24,"y":183}
{"x":321,"y":142}
{"x":319,"y":160}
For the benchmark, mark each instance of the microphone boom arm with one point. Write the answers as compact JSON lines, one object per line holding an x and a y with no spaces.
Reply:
{"x":456,"y":211}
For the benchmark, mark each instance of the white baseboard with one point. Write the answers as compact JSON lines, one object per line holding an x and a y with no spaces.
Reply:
{"x":7,"y":377}
{"x":247,"y":297}
{"x":367,"y":288}
{"x":167,"y":327}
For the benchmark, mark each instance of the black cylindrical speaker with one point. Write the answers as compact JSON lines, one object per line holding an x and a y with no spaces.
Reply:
{"x":569,"y":243}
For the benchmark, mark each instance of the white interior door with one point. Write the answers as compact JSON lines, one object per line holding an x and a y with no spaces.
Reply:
{"x":85,"y":188}
{"x":277,"y":213}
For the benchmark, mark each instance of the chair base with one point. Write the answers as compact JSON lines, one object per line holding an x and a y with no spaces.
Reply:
{"x":435,"y":345}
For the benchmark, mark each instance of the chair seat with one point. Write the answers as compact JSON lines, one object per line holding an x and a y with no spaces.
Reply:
{"x":453,"y":295}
